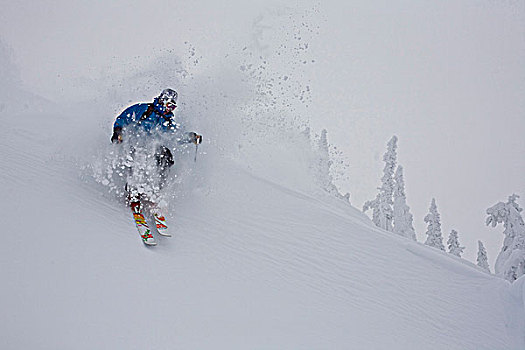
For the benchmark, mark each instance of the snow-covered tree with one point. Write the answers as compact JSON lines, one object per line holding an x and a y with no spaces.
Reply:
{"x":324,"y":177}
{"x":324,"y":162}
{"x":453,"y":244}
{"x":434,"y":235}
{"x":382,"y":211}
{"x":482,"y":260}
{"x":403,"y":219}
{"x":510,"y":263}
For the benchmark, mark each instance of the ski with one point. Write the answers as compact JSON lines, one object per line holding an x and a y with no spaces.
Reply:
{"x":142,"y":226}
{"x":160,"y":222}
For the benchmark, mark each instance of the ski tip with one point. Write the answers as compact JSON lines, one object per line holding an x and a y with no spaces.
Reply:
{"x":164,"y":234}
{"x":149,"y":241}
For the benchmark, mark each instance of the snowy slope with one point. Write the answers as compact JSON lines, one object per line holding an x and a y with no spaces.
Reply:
{"x":261,"y":258}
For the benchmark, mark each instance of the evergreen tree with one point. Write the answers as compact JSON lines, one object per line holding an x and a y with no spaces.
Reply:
{"x":403,"y":219}
{"x":482,"y":257}
{"x":382,"y":211}
{"x":434,"y":235}
{"x":453,"y":244}
{"x":510,"y":263}
{"x":324,"y":177}
{"x":324,"y":162}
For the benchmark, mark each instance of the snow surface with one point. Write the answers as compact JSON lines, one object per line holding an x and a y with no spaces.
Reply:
{"x":261,"y":256}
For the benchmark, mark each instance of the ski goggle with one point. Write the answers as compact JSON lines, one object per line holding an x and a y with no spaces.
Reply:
{"x":170,"y":104}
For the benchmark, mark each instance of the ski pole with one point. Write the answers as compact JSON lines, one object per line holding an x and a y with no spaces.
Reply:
{"x":196,"y":150}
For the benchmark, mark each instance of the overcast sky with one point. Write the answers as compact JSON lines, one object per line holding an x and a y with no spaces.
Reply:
{"x":446,"y":77}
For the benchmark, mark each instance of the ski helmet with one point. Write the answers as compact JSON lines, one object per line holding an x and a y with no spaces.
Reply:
{"x":166,"y":102}
{"x":168,"y":95}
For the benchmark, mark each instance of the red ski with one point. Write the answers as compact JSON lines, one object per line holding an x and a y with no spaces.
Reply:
{"x":142,"y":225}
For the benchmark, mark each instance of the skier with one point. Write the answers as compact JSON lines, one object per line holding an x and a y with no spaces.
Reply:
{"x":147,"y":128}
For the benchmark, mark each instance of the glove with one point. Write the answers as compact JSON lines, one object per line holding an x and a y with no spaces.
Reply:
{"x":195,"y":138}
{"x":198,"y":139}
{"x":117,"y":135}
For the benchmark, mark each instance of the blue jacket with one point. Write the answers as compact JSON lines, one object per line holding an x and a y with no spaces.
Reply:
{"x":136,"y":121}
{"x":157,"y":120}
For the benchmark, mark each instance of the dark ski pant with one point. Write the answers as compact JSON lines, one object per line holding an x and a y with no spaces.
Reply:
{"x":164,"y":160}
